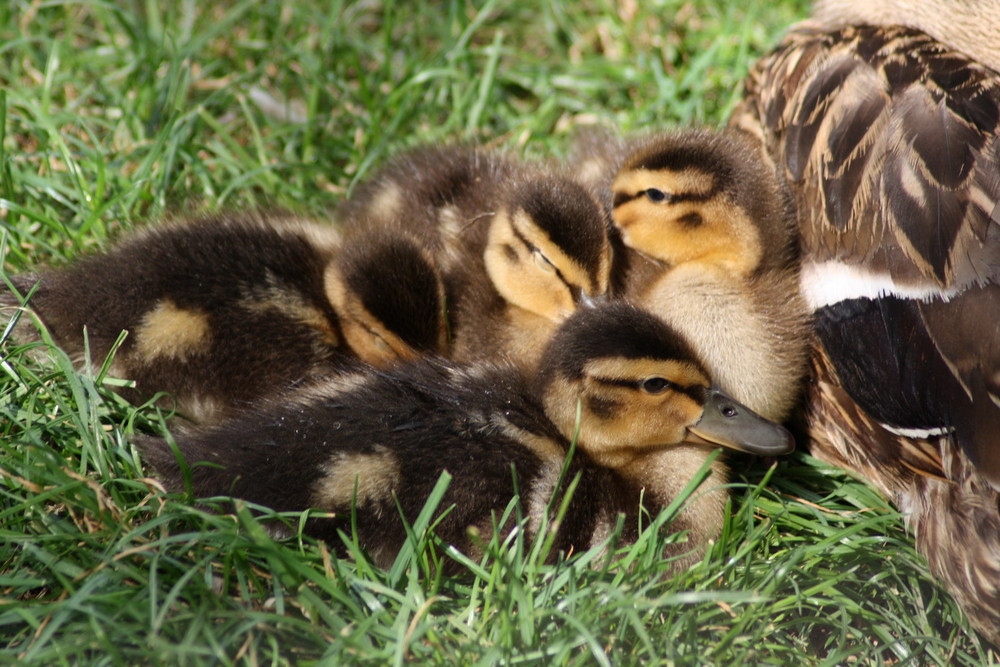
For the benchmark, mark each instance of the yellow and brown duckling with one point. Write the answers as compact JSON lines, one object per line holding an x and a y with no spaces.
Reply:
{"x":710,"y":235}
{"x":644,"y":413}
{"x":519,"y":249}
{"x":222,"y":309}
{"x":885,"y":120}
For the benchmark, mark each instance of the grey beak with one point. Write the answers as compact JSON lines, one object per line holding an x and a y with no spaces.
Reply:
{"x":729,"y":423}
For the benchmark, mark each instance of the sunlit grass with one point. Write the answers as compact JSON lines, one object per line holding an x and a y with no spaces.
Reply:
{"x":116,"y":114}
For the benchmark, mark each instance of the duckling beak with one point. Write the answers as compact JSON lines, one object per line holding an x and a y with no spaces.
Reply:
{"x":731,"y":424}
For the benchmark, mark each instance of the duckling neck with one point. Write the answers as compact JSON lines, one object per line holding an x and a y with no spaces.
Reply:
{"x":665,"y":472}
{"x":662,"y":476}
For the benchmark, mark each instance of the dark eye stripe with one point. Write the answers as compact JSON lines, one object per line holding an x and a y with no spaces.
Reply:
{"x":622,"y":198}
{"x":531,"y":248}
{"x":697,"y":392}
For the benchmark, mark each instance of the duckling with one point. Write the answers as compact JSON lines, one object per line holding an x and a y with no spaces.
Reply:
{"x":711,"y":240}
{"x":519,"y":249}
{"x":222,"y":309}
{"x":639,"y":404}
{"x":888,"y":136}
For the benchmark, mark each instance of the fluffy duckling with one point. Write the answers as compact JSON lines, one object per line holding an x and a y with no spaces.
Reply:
{"x":646,"y":414}
{"x":223,"y":309}
{"x":519,"y":249}
{"x":888,"y":137}
{"x":711,"y":239}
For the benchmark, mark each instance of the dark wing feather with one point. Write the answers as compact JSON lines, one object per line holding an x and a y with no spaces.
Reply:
{"x":889,"y":141}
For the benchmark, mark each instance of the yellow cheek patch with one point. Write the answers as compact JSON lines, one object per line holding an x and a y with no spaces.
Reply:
{"x":726,"y":236}
{"x":169,"y":332}
{"x":730,"y":238}
{"x":619,"y":422}
{"x":519,"y":279}
{"x":375,"y":475}
{"x":371,"y":340}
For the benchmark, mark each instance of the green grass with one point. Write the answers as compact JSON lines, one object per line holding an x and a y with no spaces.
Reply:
{"x":116,"y":113}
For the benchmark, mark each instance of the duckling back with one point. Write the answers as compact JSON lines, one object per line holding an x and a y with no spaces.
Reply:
{"x":360,"y":443}
{"x":219,"y":310}
{"x":389,"y":296}
{"x":443,"y":196}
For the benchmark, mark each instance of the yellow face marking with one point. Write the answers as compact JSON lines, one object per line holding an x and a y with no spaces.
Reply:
{"x":696,"y":227}
{"x":372,"y":341}
{"x":169,"y":332}
{"x":571,"y":270}
{"x":619,"y":420}
{"x":376,"y":476}
{"x":532,"y":272}
{"x":688,"y":181}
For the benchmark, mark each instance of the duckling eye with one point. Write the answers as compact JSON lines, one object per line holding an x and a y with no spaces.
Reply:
{"x":656,"y":195}
{"x":542,"y":262}
{"x":655,"y":385}
{"x":381,"y":345}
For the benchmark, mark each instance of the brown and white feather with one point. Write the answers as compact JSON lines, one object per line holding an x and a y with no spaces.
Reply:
{"x":888,"y":137}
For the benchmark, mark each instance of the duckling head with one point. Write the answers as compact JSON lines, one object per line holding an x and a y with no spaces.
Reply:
{"x":700,"y":196}
{"x":548,"y":249}
{"x":389,"y":298}
{"x":629,"y":386}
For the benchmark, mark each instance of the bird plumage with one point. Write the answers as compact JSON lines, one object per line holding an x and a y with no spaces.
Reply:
{"x":224,"y":308}
{"x":360,"y":444}
{"x":519,"y":249}
{"x":711,"y":249}
{"x":888,"y":138}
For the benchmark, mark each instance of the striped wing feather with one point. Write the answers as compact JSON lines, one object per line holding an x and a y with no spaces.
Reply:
{"x":889,"y":141}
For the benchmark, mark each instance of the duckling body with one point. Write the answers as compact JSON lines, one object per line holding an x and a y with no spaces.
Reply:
{"x":754,"y":334}
{"x":223,"y":309}
{"x":647,"y":412}
{"x":519,"y":249}
{"x":711,"y":251}
{"x":888,"y":137}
